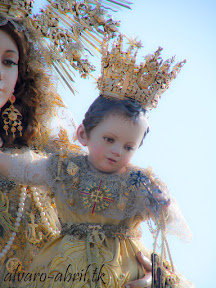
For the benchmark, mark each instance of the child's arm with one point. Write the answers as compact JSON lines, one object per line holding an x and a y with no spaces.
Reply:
{"x":26,"y":168}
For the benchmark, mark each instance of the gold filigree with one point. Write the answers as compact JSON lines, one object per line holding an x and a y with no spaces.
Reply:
{"x":12,"y":117}
{"x":17,"y":8}
{"x":62,"y":140}
{"x":122,"y":78}
{"x":6,"y":220}
{"x":71,"y":248}
{"x":32,"y":235}
{"x":72,"y":168}
{"x":121,"y":204}
{"x":14,"y":264}
{"x":70,"y":202}
{"x":68,"y":29}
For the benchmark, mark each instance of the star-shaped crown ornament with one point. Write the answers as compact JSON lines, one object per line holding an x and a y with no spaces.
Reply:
{"x":122,"y":78}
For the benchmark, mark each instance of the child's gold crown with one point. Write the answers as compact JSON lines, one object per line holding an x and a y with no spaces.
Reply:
{"x":16,"y":8}
{"x":122,"y":78}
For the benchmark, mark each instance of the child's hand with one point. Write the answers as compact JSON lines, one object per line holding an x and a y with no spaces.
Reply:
{"x":164,"y":201}
{"x":147,"y":279}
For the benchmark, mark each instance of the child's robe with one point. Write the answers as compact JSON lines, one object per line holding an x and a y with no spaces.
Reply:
{"x":100,"y":214}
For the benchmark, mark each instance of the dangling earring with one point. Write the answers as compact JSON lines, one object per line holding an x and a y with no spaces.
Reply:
{"x":12,"y":117}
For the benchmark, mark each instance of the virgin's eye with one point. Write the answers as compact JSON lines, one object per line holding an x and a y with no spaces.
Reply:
{"x":9,"y":63}
{"x":108,"y":139}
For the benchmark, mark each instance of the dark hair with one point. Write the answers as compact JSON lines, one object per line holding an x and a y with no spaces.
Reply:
{"x":29,"y":90}
{"x":104,"y":106}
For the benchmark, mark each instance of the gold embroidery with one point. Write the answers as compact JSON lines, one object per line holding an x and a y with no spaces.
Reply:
{"x":70,"y":202}
{"x":72,"y":168}
{"x":31,"y":235}
{"x":14,"y":264}
{"x":99,"y":197}
{"x":6,"y":220}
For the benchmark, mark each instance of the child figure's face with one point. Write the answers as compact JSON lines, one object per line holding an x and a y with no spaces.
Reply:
{"x":113,"y":142}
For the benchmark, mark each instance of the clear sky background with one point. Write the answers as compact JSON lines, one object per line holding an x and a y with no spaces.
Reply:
{"x":181,"y":144}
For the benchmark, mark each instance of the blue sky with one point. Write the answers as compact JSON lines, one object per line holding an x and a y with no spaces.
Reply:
{"x":181,"y":144}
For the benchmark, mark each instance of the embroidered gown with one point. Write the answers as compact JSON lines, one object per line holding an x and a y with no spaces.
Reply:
{"x":32,"y":233}
{"x":39,"y":221}
{"x":100,"y":215}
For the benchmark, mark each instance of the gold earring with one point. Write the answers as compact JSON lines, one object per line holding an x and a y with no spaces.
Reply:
{"x":12,"y":117}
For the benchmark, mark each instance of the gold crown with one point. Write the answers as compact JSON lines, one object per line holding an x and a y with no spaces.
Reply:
{"x":122,"y":78}
{"x":16,"y":8}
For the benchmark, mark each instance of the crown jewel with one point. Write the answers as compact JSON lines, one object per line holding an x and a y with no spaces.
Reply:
{"x":122,"y":78}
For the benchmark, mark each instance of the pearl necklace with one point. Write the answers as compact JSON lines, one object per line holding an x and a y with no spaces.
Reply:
{"x":47,"y":224}
{"x":21,"y":205}
{"x":17,"y":222}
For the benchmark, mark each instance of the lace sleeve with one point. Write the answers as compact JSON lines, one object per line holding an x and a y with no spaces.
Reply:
{"x":175,"y":221}
{"x":28,"y":168}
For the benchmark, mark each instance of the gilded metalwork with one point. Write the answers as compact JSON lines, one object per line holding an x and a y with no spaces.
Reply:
{"x":14,"y":264}
{"x":68,"y":29}
{"x":12,"y":118}
{"x":32,"y":235}
{"x":122,"y":78}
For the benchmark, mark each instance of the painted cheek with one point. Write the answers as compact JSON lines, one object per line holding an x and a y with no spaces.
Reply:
{"x":127,"y":159}
{"x":100,"y":150}
{"x":97,"y":150}
{"x":11,"y":79}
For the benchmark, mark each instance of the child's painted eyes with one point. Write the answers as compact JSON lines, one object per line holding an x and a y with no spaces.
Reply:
{"x":9,"y":63}
{"x":128,"y":148}
{"x":111,"y":140}
{"x":108,"y":139}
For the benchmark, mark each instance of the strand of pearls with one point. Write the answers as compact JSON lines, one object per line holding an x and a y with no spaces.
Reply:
{"x":47,"y":224}
{"x":22,"y":199}
{"x":19,"y":214}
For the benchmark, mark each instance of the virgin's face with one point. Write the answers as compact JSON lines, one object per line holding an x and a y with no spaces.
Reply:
{"x":9,"y":57}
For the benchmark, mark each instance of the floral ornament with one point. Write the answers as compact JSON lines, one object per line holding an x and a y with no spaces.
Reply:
{"x":138,"y":178}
